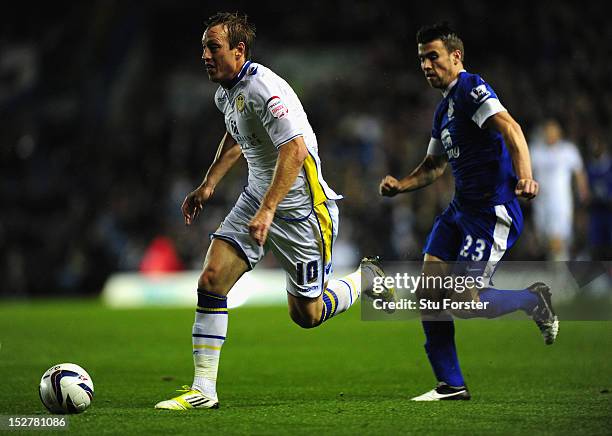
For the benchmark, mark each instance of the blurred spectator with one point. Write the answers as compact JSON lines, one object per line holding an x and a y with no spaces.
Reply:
{"x":160,"y":257}
{"x":555,"y":160}
{"x":599,"y":170}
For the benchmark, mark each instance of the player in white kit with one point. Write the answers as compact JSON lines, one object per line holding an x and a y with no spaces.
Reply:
{"x":286,"y":208}
{"x":555,"y":161}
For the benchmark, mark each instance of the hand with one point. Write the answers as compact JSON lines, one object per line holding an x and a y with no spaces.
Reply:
{"x":527,"y":188}
{"x":389,"y":186}
{"x":194,"y":203}
{"x":260,"y":225}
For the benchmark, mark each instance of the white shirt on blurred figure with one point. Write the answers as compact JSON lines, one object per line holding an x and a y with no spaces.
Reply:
{"x":553,"y":167}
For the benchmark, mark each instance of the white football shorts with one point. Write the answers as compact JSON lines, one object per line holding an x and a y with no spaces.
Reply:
{"x":554,"y":219}
{"x":301,"y":240}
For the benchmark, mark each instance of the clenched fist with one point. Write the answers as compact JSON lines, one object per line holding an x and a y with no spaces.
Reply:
{"x":527,"y":188}
{"x":389,"y":186}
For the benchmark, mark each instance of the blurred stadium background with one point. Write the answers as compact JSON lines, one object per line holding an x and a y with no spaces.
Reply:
{"x":107,"y":121}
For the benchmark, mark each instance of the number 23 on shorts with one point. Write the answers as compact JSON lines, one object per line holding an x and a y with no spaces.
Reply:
{"x":477,"y":247}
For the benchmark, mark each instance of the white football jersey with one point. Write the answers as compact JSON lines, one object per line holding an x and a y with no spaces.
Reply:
{"x":553,"y":167}
{"x":262,"y":113}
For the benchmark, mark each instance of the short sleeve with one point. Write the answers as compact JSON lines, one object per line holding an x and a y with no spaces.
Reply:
{"x":486,"y":110}
{"x":220,"y":99}
{"x":435,"y":147}
{"x":479,"y":100}
{"x":273,"y":105}
{"x":435,"y":128}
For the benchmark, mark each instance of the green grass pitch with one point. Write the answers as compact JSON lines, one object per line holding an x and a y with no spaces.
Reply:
{"x":346,"y":377}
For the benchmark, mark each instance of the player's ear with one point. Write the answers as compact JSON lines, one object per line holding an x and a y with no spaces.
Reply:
{"x":456,"y":57}
{"x":240,"y":50}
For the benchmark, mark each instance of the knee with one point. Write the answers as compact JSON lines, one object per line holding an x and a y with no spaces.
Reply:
{"x":209,"y":279}
{"x":429,"y":303}
{"x":306,"y":321}
{"x":463,"y":314}
{"x":463,"y":307}
{"x":421,"y":294}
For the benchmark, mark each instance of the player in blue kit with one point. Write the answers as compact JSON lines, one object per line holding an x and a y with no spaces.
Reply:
{"x":490,"y":161}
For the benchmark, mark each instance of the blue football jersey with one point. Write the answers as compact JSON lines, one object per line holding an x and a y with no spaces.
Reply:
{"x":480,"y":161}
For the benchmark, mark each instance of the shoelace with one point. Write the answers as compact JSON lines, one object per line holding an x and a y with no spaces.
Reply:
{"x":184,"y":389}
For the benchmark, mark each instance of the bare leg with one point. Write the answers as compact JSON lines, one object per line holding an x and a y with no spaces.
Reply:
{"x":223,"y":267}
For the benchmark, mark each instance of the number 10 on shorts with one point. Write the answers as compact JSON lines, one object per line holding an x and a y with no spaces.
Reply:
{"x":310,"y":272}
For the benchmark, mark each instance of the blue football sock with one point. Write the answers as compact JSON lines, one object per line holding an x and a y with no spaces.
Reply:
{"x":501,"y":302}
{"x":441,"y":351}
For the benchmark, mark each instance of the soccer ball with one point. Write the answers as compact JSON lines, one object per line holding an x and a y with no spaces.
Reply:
{"x":66,"y":388}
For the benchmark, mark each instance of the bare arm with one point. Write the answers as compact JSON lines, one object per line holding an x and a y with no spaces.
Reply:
{"x":519,"y":152}
{"x":582,"y":185}
{"x":291,"y":157}
{"x":227,"y":155}
{"x":427,"y":172}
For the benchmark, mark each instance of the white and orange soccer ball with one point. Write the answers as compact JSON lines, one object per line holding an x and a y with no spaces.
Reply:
{"x":66,"y":388}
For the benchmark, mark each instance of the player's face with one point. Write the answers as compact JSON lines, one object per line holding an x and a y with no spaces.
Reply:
{"x":552,"y":132}
{"x":440,"y":66}
{"x":222,"y":63}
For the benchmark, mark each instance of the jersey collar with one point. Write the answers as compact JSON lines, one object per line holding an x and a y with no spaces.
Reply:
{"x":240,"y":75}
{"x":452,"y":84}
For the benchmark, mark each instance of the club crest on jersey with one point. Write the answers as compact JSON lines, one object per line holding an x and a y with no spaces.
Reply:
{"x":277,"y":108}
{"x":451,"y":109}
{"x":240,"y":102}
{"x":480,"y":93}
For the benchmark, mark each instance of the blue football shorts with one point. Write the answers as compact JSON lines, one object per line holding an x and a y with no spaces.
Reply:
{"x":475,"y":237}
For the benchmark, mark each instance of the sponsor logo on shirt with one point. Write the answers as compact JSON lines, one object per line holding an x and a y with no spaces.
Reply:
{"x":480,"y":93}
{"x":240,"y":102}
{"x":452,"y":152}
{"x":234,"y":128}
{"x":277,"y":108}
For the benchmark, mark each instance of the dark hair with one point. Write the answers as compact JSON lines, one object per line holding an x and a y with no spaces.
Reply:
{"x":444,"y":32}
{"x":238,"y":29}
